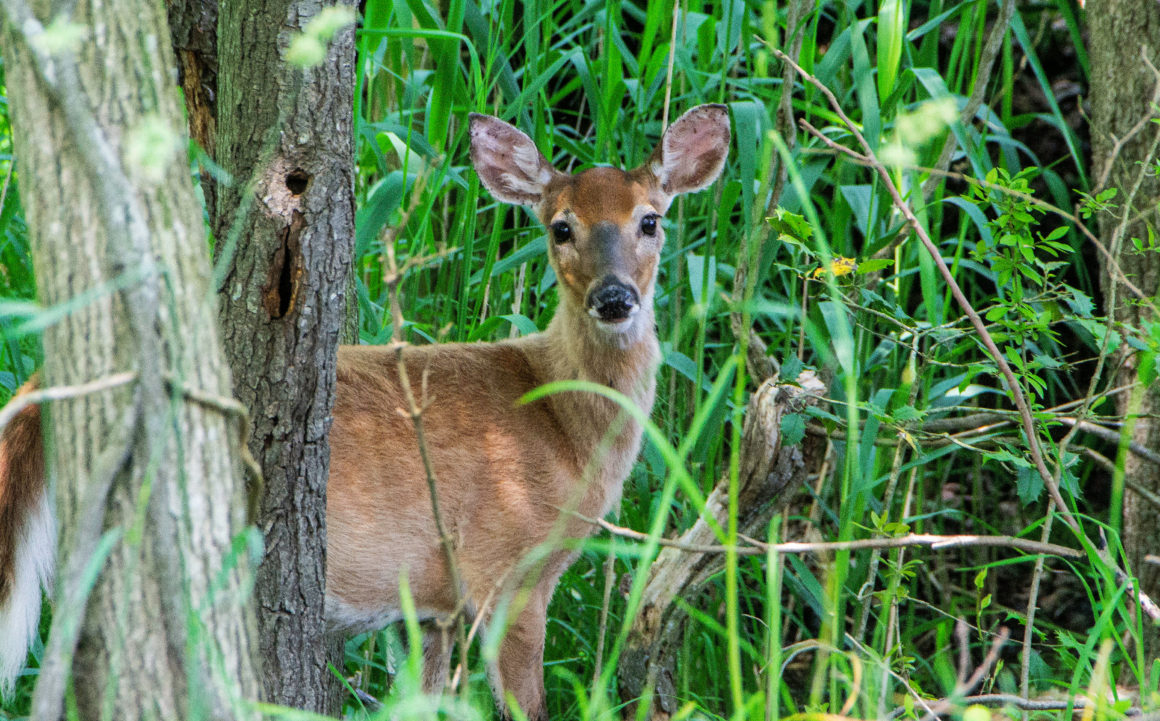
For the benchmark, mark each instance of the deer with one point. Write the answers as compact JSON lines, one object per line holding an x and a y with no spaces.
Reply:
{"x":512,"y":478}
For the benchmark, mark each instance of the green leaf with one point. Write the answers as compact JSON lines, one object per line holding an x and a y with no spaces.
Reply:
{"x":793,"y":429}
{"x":908,"y":414}
{"x":791,"y":228}
{"x":1014,"y":357}
{"x":1004,"y":456}
{"x":891,"y":29}
{"x":1081,"y":304}
{"x":791,"y":368}
{"x":702,"y":277}
{"x":524,"y":324}
{"x":874,"y":264}
{"x":1047,"y":361}
{"x":1028,"y":484}
{"x":895,"y":528}
{"x":1136,"y":343}
{"x":682,"y":364}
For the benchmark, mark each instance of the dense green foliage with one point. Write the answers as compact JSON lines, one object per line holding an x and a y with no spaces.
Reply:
{"x":840,"y":285}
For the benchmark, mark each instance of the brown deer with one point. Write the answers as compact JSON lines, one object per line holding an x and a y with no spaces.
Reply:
{"x":507,"y":473}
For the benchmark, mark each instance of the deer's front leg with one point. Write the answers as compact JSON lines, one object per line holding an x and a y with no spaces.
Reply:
{"x":436,"y":658}
{"x":519,"y":670}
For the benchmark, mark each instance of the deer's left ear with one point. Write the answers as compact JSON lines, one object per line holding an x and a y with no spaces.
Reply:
{"x":692,"y":152}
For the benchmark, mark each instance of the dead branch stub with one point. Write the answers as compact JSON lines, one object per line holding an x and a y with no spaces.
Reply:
{"x":767,"y":469}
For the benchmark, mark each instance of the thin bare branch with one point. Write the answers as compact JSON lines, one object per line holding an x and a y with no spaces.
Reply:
{"x":415,"y":408}
{"x":903,"y":207}
{"x":240,"y":415}
{"x":835,"y":146}
{"x":1025,"y":655}
{"x":605,"y":602}
{"x":1110,"y":435}
{"x":60,"y":393}
{"x":1147,"y":605}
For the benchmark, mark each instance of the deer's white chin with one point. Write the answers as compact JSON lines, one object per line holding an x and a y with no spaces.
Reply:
{"x":621,"y":333}
{"x":616,"y":328}
{"x":623,"y":325}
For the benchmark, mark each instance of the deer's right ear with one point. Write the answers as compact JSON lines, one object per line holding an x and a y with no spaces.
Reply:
{"x":507,"y":161}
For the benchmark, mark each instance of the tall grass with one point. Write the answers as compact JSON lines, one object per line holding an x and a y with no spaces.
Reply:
{"x":856,"y":633}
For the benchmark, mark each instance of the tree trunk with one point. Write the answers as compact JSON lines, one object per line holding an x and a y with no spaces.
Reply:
{"x":1123,"y":90}
{"x":148,"y":472}
{"x":286,"y":229}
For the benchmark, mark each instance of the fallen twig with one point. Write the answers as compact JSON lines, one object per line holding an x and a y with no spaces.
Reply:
{"x":1007,"y":699}
{"x":754,"y":547}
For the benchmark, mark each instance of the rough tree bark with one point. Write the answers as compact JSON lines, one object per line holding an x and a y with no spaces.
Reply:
{"x":1123,"y":89}
{"x":285,"y":136}
{"x":116,"y":230}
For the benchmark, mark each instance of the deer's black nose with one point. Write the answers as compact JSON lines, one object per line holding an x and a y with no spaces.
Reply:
{"x":612,"y":301}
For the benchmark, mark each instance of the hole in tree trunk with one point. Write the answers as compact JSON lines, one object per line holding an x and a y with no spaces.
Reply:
{"x":296,"y":181}
{"x":282,"y":279}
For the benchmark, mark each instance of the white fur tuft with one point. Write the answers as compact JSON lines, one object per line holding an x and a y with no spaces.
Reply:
{"x":20,"y":614}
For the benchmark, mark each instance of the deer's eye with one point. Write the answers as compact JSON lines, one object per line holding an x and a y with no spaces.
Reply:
{"x":561,"y":232}
{"x":648,"y":225}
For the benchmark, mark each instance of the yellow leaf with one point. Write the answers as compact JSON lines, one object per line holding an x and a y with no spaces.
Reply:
{"x":840,"y":266}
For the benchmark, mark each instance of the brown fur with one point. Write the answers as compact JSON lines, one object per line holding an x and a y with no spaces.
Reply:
{"x":21,"y":484}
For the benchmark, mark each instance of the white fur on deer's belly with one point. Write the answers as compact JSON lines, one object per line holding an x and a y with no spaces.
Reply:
{"x":343,"y":616}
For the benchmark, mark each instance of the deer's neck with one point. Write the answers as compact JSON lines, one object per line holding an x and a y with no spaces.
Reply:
{"x":626,"y":362}
{"x":605,"y":440}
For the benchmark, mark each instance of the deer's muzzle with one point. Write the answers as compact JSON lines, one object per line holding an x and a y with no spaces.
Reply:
{"x":612,"y":301}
